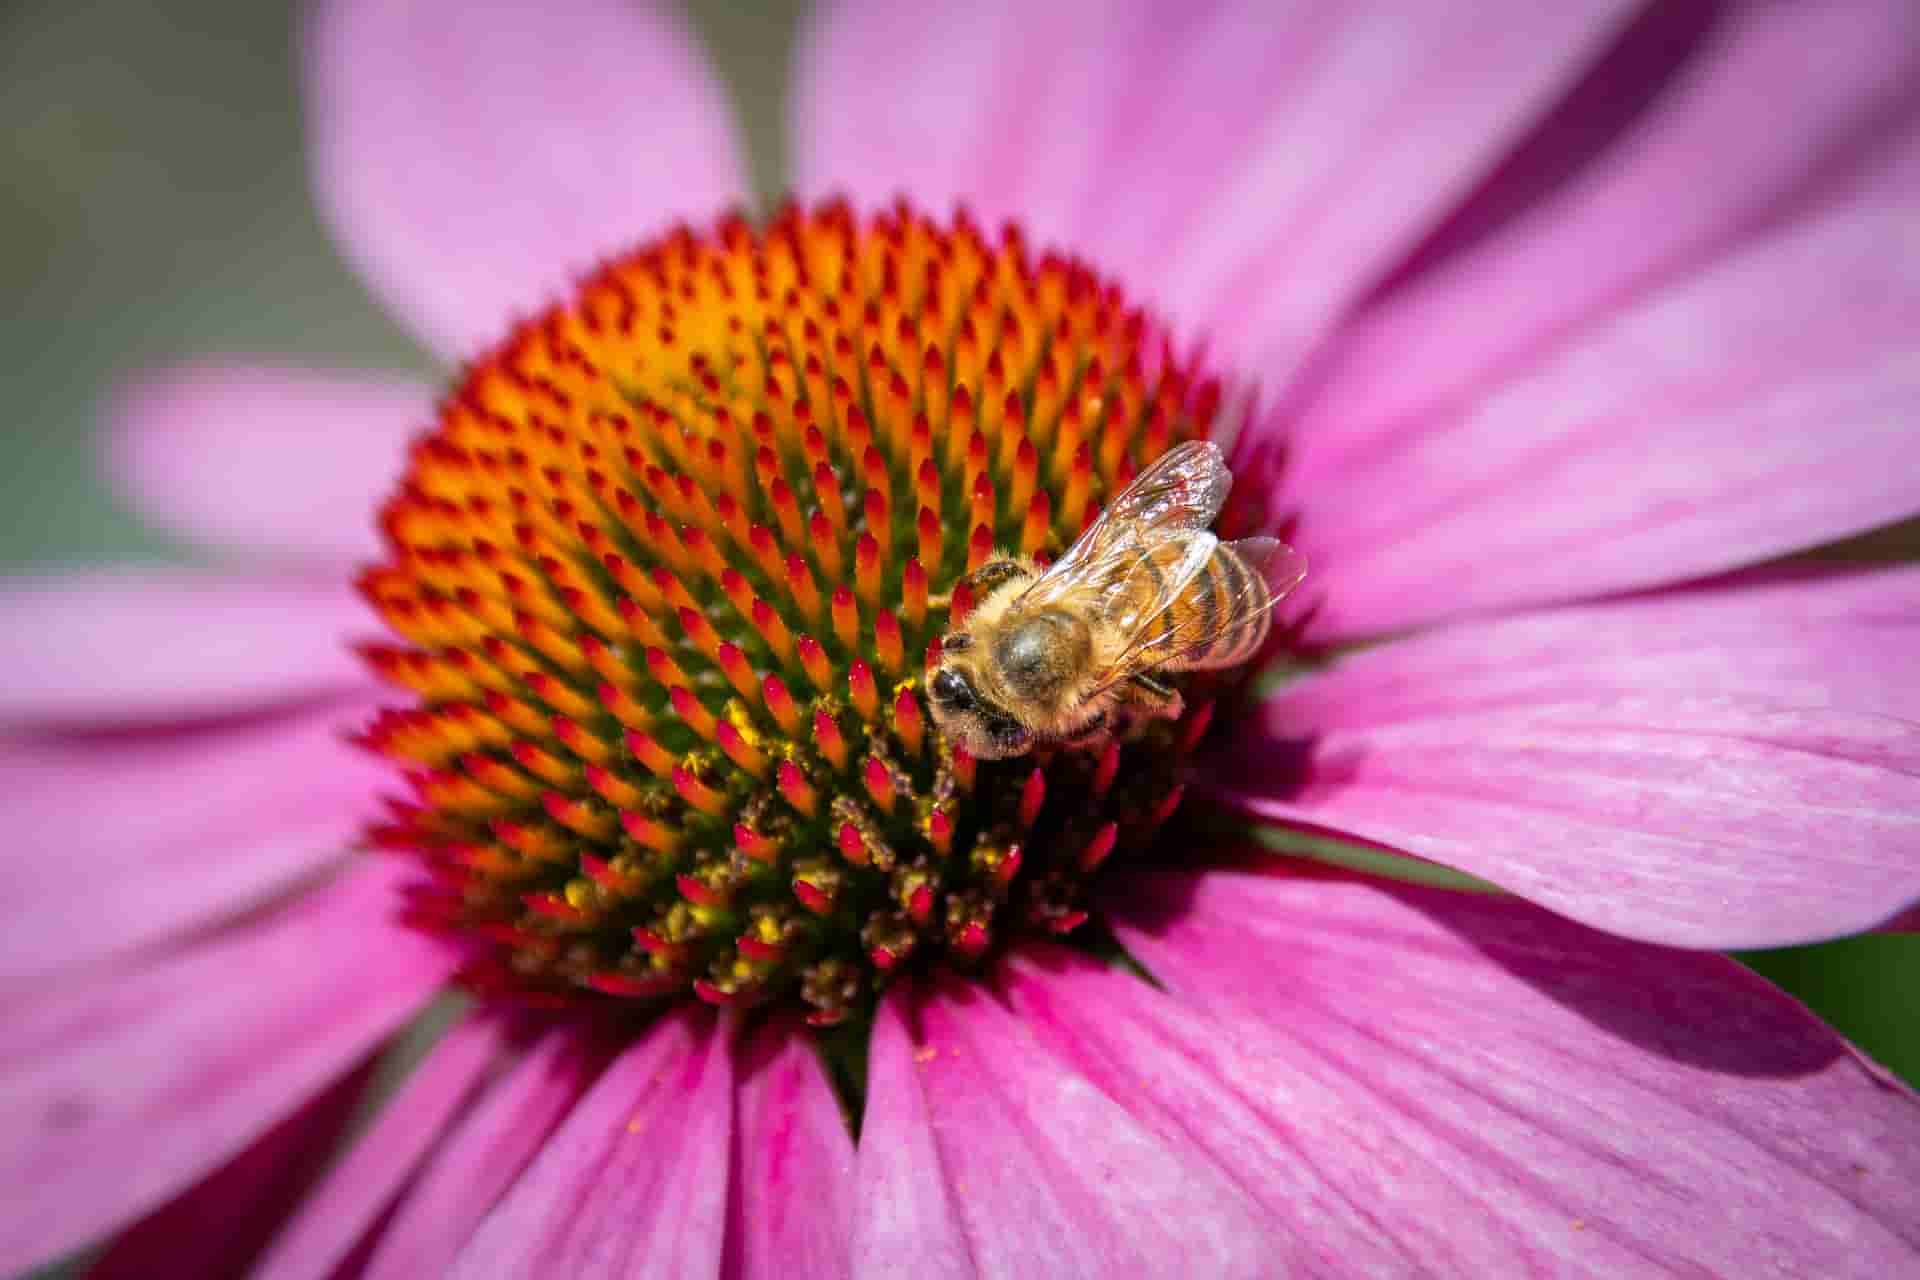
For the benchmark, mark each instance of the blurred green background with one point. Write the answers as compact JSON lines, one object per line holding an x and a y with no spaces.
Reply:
{"x":153,"y":205}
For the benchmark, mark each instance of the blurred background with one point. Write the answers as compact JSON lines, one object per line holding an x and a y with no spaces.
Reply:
{"x":154,"y":205}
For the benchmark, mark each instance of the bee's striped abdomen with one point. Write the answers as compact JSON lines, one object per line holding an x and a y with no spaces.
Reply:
{"x":1229,"y":607}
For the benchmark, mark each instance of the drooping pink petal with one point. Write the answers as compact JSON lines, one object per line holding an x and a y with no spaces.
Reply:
{"x":138,"y":838}
{"x":635,"y":1181}
{"x":1759,"y":404}
{"x":495,"y":1140}
{"x":474,"y":158}
{"x":983,"y":1154}
{"x":792,"y":1188}
{"x":123,"y":1088}
{"x":1704,"y":822}
{"x":1247,"y":167}
{"x":218,"y":1228}
{"x":104,"y":647}
{"x":363,"y":1184}
{"x":1782,"y":137}
{"x":259,"y":460}
{"x":1489,"y":1089}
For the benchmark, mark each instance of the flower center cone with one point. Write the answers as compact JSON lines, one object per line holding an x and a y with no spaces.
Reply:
{"x":670,"y":570}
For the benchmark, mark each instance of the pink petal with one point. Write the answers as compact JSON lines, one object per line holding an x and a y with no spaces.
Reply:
{"x":793,"y":1188}
{"x":1208,"y":1086}
{"x":149,"y":837}
{"x":1803,"y":638}
{"x":1781,"y":136}
{"x":362,"y":1185}
{"x":1759,"y":404}
{"x":1714,"y":768}
{"x":1030,"y":1170}
{"x":1466,"y":1085}
{"x":265,"y":460}
{"x":221,"y":1225}
{"x":133,"y":646}
{"x":1247,"y":167}
{"x":473,"y":158}
{"x":1905,"y":922}
{"x":635,"y":1181}
{"x":909,"y":1215}
{"x":495,"y":1140}
{"x":186,"y":1060}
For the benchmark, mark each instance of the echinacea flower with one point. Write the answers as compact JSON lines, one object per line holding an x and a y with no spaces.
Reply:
{"x":1563,"y":317}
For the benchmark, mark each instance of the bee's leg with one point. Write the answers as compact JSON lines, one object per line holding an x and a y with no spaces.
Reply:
{"x":1093,"y":731}
{"x":985,"y":580}
{"x":1154,"y":696}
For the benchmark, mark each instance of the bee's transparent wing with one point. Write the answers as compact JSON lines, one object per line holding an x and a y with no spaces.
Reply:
{"x":1180,"y":492}
{"x":1166,"y":636}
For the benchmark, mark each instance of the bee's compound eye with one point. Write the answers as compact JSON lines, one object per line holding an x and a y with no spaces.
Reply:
{"x":950,"y":690}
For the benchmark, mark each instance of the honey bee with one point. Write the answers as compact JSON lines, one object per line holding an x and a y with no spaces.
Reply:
{"x":1071,"y":654}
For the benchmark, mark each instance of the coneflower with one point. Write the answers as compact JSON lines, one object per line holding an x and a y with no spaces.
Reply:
{"x":1559,"y":312}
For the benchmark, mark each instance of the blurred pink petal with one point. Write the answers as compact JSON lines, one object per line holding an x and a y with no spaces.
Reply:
{"x":635,"y":1182}
{"x":793,"y":1197}
{"x":1759,"y":405}
{"x":1783,"y":144}
{"x":363,"y":1183}
{"x":124,"y":1088}
{"x":495,"y":1139}
{"x":473,"y":158}
{"x":1905,"y":922}
{"x":1511,"y":1092}
{"x":262,"y":460}
{"x":132,"y":646}
{"x":1697,"y":820}
{"x":1034,"y":1171}
{"x":1249,"y":168}
{"x":220,"y":1226}
{"x":148,"y":837}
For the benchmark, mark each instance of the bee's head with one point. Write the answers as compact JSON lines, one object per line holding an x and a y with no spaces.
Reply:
{"x":968,"y":715}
